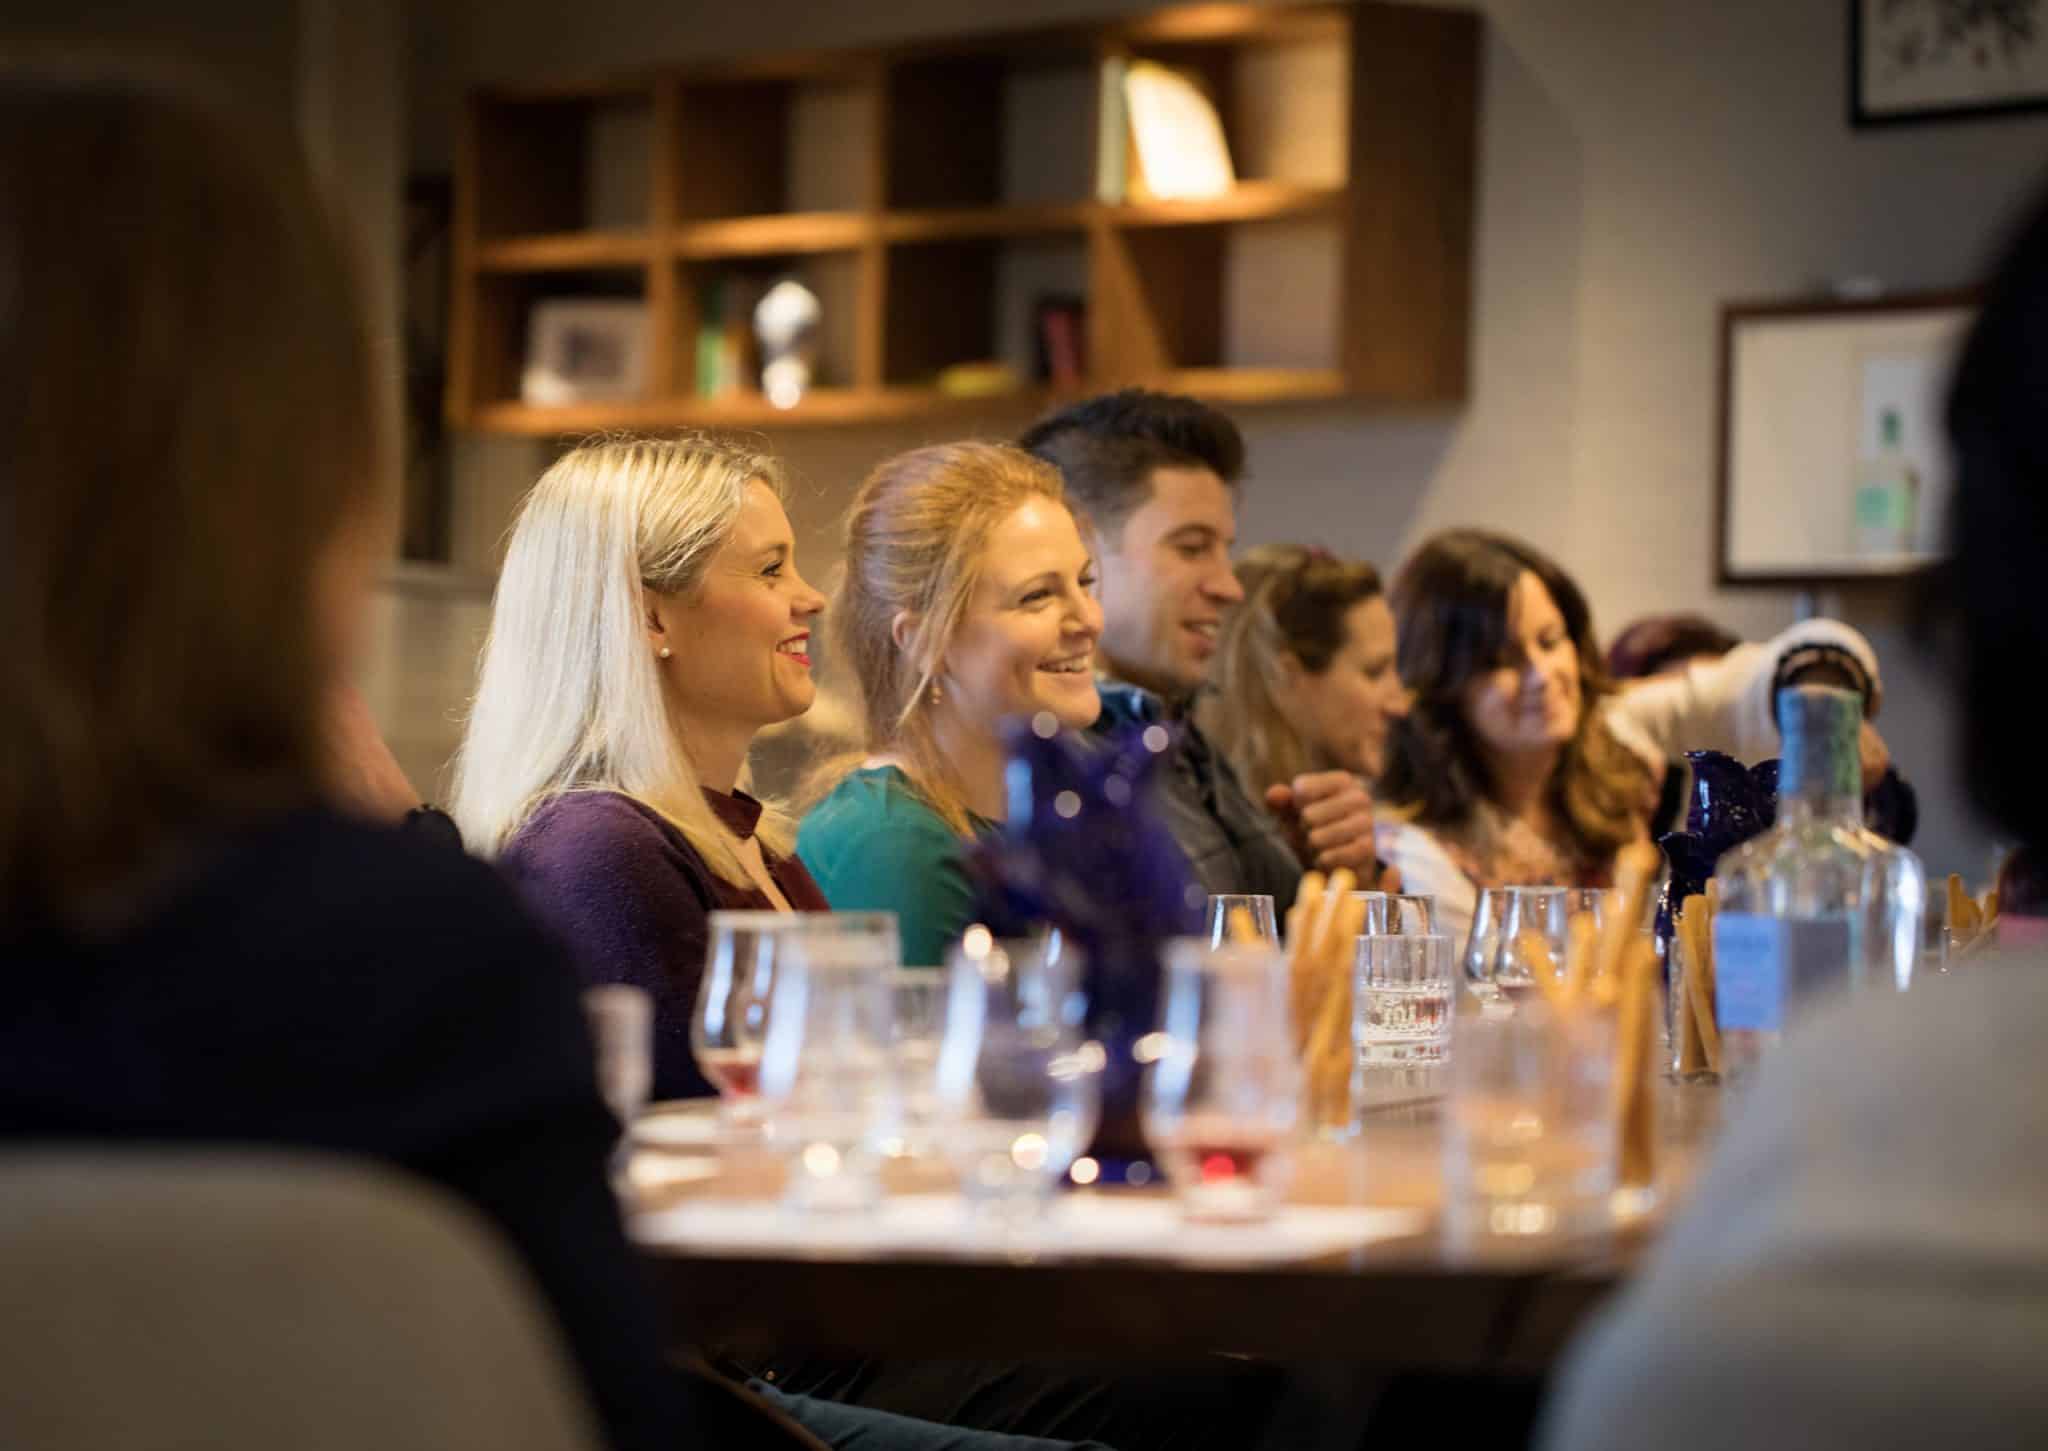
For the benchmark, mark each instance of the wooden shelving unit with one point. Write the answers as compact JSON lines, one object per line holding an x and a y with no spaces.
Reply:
{"x":951,"y":189}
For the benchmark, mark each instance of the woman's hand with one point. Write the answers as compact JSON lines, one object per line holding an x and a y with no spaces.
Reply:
{"x":1329,"y":816}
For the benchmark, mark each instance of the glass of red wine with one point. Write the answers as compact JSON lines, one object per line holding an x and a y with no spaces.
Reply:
{"x":1224,"y":1085}
{"x":731,"y":1020}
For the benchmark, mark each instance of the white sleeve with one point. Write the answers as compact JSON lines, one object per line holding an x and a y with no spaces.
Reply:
{"x":1724,"y":704}
{"x":1426,"y":867}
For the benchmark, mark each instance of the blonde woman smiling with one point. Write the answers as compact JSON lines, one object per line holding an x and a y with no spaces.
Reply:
{"x":650,"y":620}
{"x":968,"y":599}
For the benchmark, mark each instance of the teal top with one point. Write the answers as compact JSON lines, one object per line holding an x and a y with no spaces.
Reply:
{"x":873,"y":845}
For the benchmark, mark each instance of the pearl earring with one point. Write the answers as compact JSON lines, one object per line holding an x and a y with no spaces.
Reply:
{"x":935,"y":692}
{"x":666,"y":652}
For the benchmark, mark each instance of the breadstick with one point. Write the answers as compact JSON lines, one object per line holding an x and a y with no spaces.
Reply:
{"x":1699,"y":976}
{"x":1542,"y":968}
{"x":1962,"y":911}
{"x":1635,"y":866}
{"x":1578,"y":956}
{"x":1634,"y":1083}
{"x":1330,"y":1051}
{"x":1239,"y":928}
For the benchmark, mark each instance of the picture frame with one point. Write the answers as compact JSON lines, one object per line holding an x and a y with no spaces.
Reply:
{"x":1913,"y":61}
{"x":585,"y":350}
{"x":1805,"y":387}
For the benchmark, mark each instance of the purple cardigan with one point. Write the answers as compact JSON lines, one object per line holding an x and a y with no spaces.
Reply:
{"x":632,"y":899}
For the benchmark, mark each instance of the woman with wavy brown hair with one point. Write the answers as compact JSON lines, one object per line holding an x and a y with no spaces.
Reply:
{"x":1502,"y":772}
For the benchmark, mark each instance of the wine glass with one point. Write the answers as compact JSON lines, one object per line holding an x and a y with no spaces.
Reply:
{"x":1543,"y":912}
{"x":731,"y":1020}
{"x":826,"y":1081}
{"x":1482,"y":947}
{"x":1595,"y":902}
{"x":917,"y":997}
{"x":1019,"y":1083}
{"x":1375,"y":912}
{"x":1224,"y":1085}
{"x":1257,"y":906}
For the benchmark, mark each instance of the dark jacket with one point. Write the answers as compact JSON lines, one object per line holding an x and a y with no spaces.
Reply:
{"x":1233,"y":843}
{"x":322,"y":984}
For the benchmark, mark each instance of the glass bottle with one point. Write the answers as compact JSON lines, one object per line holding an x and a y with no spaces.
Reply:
{"x":1816,"y":905}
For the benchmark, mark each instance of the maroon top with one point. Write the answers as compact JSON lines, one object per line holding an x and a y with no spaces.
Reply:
{"x":632,"y":899}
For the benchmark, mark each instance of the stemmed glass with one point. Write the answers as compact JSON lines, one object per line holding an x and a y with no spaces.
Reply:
{"x":1482,"y":947}
{"x":1544,"y":911}
{"x":917,"y":1019}
{"x":1376,"y":905}
{"x":1224,"y":1086}
{"x":1019,"y":1083}
{"x":731,"y":1020}
{"x":1411,"y":914}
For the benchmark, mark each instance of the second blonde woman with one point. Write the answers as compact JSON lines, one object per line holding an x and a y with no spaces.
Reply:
{"x":968,"y":600}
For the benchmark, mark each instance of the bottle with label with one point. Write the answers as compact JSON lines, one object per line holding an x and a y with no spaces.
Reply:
{"x":1887,"y":496}
{"x":1816,"y":905}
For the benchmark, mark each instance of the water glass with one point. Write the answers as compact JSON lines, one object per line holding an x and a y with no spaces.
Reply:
{"x":827,"y":1082}
{"x":1258,"y":906}
{"x":1224,"y":1085}
{"x":1544,"y":912}
{"x":1482,"y":947}
{"x":621,"y":1019}
{"x":1018,"y":1084}
{"x":1401,"y":1003}
{"x":1412,"y":914}
{"x":1530,"y":1140}
{"x":1375,"y":912}
{"x":917,"y":997}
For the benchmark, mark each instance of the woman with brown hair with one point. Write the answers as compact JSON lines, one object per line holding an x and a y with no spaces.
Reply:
{"x":968,"y":600}
{"x":1521,"y":762}
{"x":1304,"y":676}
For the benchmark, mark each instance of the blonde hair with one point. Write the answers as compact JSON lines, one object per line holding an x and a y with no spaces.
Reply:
{"x":569,"y":693}
{"x":915,"y":539}
{"x":1295,"y":603}
{"x":189,"y":432}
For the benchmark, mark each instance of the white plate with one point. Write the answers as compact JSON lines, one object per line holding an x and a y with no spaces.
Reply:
{"x":684,"y":1125}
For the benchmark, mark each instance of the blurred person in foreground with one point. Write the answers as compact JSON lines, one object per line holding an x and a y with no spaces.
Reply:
{"x":199,"y":948}
{"x":1156,"y":477}
{"x":1864,"y":1262}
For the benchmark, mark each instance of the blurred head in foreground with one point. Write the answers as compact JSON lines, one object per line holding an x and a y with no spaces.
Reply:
{"x":190,"y":483}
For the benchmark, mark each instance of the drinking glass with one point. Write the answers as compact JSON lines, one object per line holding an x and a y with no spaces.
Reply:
{"x":827,"y":1085}
{"x":917,"y":997}
{"x":1530,"y":1138}
{"x":1401,"y":1006}
{"x":621,"y":1019}
{"x":1412,"y":914}
{"x":1258,"y":905}
{"x":1596,"y":902}
{"x":1224,"y":1086}
{"x":1482,"y":948}
{"x":1539,"y":910}
{"x":1375,"y":912}
{"x":1018,"y":1084}
{"x":731,"y":1020}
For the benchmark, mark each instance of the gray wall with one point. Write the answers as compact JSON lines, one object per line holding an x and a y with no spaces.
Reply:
{"x":1643,"y":160}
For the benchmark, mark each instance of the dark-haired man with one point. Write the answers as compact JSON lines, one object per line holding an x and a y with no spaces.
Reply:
{"x":1156,"y":477}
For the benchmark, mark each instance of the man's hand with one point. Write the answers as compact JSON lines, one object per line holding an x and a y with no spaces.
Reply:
{"x":1329,"y":816}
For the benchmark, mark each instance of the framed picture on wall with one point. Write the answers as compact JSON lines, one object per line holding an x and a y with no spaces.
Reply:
{"x":1945,"y":60}
{"x":1833,"y":464}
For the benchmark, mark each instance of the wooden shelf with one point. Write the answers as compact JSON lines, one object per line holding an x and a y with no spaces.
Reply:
{"x":970,"y":223}
{"x":785,"y":234}
{"x":1249,"y":201}
{"x":565,"y":251}
{"x":696,"y":183}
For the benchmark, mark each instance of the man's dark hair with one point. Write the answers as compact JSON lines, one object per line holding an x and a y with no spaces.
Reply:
{"x":1984,"y":607}
{"x":1652,"y":645}
{"x":1107,"y":447}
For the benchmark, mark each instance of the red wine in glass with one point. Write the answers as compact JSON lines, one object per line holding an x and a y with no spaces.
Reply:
{"x":736,"y":1071}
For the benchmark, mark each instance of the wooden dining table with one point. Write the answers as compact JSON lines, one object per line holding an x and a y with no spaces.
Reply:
{"x":1424,"y":1299}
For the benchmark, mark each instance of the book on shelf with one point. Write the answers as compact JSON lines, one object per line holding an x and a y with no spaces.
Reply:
{"x":1179,"y":151}
{"x":1112,"y":133}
